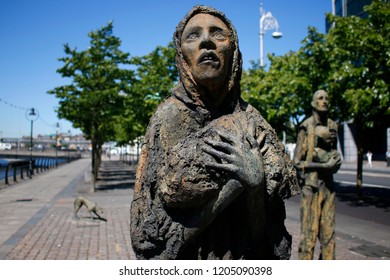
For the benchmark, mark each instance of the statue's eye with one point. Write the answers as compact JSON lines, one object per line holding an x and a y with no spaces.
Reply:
{"x":219,"y":35}
{"x":193,"y":36}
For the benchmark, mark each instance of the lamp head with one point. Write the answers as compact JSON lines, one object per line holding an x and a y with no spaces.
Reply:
{"x":32,"y":112}
{"x":277,"y":34}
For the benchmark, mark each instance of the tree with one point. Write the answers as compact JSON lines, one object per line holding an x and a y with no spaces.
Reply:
{"x":92,"y":101}
{"x":260,"y":90}
{"x":359,"y":58}
{"x":283,"y":94}
{"x":351,"y":62}
{"x":155,"y":76}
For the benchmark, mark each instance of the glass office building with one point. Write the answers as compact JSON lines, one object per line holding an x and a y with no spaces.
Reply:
{"x":350,"y":7}
{"x":345,"y":8}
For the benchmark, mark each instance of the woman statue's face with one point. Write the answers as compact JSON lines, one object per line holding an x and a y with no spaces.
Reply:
{"x":207,"y":49}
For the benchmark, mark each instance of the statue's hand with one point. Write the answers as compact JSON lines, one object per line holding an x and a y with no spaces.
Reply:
{"x":334,"y":162}
{"x":239,"y":156}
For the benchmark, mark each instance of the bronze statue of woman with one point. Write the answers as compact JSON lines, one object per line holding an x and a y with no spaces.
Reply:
{"x":212,"y":174}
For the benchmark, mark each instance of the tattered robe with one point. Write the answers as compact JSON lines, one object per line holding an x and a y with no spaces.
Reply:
{"x":183,"y":210}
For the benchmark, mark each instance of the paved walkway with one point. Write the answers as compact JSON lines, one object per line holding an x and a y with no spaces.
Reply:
{"x":37,"y":219}
{"x":37,"y":215}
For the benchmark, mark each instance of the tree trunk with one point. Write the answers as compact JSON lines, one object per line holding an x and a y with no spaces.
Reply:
{"x":93,"y":165}
{"x":359,"y":145}
{"x":96,"y":160}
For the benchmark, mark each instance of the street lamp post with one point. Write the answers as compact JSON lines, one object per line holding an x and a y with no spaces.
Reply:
{"x":70,"y":138}
{"x":267,"y":22}
{"x":57,"y":127}
{"x":31,"y":115}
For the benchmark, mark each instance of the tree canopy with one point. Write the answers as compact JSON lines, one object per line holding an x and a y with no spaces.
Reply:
{"x":359,"y":60}
{"x":351,"y":62}
{"x":92,"y":101}
{"x":155,"y":76}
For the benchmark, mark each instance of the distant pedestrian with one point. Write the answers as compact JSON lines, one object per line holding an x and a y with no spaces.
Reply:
{"x":388,"y":157}
{"x":369,"y":158}
{"x":108,"y":155}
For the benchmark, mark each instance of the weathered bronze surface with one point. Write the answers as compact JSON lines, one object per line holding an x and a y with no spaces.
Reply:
{"x":91,"y":206}
{"x":316,"y":159}
{"x":212,"y":173}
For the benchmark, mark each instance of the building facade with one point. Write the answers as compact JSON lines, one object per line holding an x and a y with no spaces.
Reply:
{"x":346,"y":8}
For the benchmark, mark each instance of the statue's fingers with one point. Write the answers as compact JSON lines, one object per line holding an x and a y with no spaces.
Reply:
{"x":222,"y":146}
{"x":251,"y":140}
{"x":260,"y":139}
{"x":251,"y":127}
{"x":226,"y":136}
{"x":217,"y":154}
{"x":264,"y":149}
{"x":230,"y":168}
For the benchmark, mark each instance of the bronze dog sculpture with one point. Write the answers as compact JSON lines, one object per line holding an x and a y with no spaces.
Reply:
{"x":91,"y":206}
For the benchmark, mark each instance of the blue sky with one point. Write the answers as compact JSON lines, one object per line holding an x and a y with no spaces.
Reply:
{"x":33,"y":34}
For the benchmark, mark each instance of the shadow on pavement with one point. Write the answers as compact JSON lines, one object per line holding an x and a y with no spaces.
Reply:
{"x":372,"y":197}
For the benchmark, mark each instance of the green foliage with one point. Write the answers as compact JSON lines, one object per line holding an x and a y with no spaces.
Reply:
{"x":92,"y":100}
{"x":274,"y":92}
{"x":359,"y":57}
{"x":282,"y":94}
{"x":351,"y":62}
{"x":155,"y":76}
{"x":107,"y":100}
{"x":252,"y":86}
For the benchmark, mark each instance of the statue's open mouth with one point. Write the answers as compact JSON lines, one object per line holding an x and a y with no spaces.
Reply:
{"x":208,"y":57}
